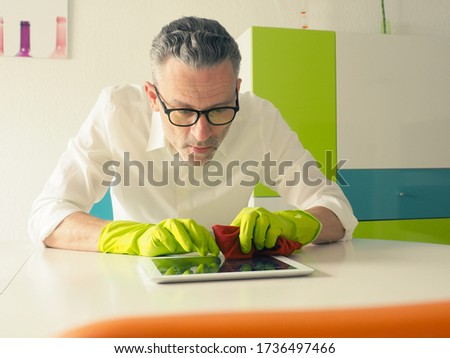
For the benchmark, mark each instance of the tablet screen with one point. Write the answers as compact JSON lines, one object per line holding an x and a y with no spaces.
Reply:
{"x":208,"y":265}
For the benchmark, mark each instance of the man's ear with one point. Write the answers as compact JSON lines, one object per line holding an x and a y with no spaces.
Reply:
{"x":238,"y":84}
{"x":151,"y":95}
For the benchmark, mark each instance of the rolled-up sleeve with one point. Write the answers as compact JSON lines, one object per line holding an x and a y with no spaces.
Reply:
{"x":297,"y":177}
{"x":76,"y":182}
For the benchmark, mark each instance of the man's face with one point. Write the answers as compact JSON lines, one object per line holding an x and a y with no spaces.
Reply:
{"x":181,"y":86}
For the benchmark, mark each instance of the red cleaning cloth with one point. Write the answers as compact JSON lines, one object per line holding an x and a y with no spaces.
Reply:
{"x":227,"y":238}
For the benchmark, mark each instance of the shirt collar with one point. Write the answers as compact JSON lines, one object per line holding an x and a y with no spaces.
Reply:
{"x":229,"y":143}
{"x":156,"y":134}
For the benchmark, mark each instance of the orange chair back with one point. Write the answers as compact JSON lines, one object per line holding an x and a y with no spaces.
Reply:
{"x":420,"y":320}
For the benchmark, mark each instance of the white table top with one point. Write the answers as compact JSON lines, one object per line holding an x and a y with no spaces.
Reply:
{"x":55,"y":290}
{"x":13,"y":255}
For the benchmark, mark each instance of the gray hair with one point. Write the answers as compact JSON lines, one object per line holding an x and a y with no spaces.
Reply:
{"x":197,"y":42}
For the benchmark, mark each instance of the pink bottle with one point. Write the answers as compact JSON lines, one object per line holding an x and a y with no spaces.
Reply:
{"x":61,"y":38}
{"x":24,"y":39}
{"x":1,"y":36}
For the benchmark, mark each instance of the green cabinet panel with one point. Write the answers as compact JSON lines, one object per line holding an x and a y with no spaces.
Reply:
{"x":421,"y":230}
{"x":296,"y":71}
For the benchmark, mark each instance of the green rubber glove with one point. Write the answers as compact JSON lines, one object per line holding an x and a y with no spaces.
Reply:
{"x":262,"y":227}
{"x":171,"y":236}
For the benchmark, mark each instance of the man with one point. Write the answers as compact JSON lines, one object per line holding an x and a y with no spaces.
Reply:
{"x":182,"y":154}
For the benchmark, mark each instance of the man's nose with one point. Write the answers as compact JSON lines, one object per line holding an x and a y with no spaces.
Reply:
{"x":201,"y":130}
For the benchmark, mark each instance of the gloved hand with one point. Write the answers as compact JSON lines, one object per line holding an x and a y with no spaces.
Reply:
{"x":261,"y":227}
{"x":171,"y":236}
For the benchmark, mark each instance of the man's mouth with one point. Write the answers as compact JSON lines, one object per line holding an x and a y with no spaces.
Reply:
{"x":201,"y":150}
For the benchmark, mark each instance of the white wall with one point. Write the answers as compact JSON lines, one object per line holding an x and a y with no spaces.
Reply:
{"x":43,"y":102}
{"x":407,"y":17}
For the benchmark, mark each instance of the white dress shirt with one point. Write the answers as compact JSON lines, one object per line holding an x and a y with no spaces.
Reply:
{"x":121,"y":145}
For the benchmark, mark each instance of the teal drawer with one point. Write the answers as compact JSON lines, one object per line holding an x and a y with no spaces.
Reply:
{"x":384,"y":194}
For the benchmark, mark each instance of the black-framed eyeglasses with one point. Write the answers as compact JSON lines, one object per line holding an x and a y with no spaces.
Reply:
{"x":185,"y":117}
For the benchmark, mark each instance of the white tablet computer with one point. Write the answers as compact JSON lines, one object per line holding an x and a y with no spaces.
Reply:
{"x":188,"y":268}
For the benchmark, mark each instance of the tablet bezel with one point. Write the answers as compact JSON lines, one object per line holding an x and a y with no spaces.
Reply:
{"x":155,"y":275}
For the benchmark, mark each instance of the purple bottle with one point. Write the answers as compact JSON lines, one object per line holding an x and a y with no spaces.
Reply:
{"x":24,"y":39}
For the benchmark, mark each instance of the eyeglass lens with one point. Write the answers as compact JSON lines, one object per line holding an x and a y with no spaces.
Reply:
{"x":215,"y":116}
